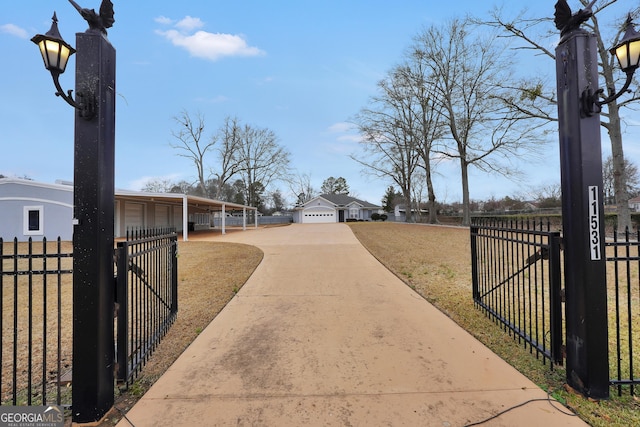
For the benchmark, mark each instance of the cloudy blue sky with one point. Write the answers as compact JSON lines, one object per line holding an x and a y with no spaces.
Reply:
{"x":302,"y":69}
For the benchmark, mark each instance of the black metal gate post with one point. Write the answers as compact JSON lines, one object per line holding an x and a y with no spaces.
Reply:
{"x":94,"y":148}
{"x":122,"y":301}
{"x":174,"y":276}
{"x":555,"y":298}
{"x":582,"y":218}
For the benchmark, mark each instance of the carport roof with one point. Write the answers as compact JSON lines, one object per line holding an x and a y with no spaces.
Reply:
{"x":174,"y":198}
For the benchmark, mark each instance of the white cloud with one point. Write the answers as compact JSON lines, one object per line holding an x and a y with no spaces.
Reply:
{"x":347,"y":132}
{"x":189,"y":24}
{"x":341,"y":127}
{"x":164,"y":20}
{"x":14,"y":30}
{"x":205,"y":45}
{"x":350,"y":138}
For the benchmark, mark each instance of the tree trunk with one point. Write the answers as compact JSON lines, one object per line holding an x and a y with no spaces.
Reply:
{"x":466,"y":210}
{"x":619,"y":175}
{"x":201,"y":182}
{"x":615,"y":135}
{"x":433,"y":213}
{"x":408,"y":217}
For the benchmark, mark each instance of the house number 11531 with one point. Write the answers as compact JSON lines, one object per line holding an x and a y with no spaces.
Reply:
{"x":594,"y":223}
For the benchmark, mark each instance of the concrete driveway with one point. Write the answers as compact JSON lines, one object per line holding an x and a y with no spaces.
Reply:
{"x":323,"y":335}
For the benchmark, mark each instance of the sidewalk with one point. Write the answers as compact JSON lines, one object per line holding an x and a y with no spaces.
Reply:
{"x":323,"y":335}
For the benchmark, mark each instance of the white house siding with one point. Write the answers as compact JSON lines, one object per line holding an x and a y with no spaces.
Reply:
{"x":53,"y":202}
{"x":355,"y":211}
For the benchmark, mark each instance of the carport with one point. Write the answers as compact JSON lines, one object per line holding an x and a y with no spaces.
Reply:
{"x":171,"y":210}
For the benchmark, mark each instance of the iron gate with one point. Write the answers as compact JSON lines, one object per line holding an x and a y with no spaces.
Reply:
{"x":516,"y":281}
{"x":146,"y":296}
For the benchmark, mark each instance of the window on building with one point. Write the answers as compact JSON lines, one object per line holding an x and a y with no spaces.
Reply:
{"x":33,"y":219}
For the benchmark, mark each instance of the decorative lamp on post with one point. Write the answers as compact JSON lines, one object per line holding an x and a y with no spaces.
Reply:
{"x":627,"y":51}
{"x":93,"y":200}
{"x":55,"y":54}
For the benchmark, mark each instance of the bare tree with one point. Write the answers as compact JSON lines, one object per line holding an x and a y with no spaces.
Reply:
{"x":535,"y":34}
{"x":191,"y":144}
{"x":469,"y":74}
{"x":388,"y":139}
{"x":181,"y":187}
{"x":547,"y":196}
{"x":158,"y":185}
{"x":261,"y":160}
{"x":229,"y":137}
{"x":301,"y":188}
{"x":428,"y":121}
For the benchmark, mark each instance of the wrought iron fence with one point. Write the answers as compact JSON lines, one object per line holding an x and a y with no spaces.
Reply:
{"x":516,"y":281}
{"x":35,"y":320}
{"x":623,"y":293}
{"x":146,"y":296}
{"x":36,"y":316}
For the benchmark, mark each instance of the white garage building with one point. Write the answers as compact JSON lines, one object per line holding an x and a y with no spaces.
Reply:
{"x":328,"y":208}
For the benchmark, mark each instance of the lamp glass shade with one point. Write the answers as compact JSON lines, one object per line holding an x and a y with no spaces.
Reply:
{"x":54,"y":50}
{"x":628,"y":55}
{"x":628,"y":50}
{"x":55,"y":54}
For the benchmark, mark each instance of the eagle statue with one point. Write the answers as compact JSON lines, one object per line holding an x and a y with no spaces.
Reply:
{"x":566,"y":21}
{"x":99,"y":22}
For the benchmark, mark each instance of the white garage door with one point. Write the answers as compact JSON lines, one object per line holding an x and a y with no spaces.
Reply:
{"x":133,"y":215}
{"x":162,"y":216}
{"x":318,"y":215}
{"x":177,"y":217}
